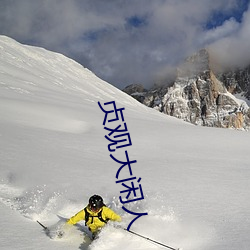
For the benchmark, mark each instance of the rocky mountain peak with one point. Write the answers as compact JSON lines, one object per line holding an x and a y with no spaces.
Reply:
{"x":196,"y":64}
{"x":200,"y":96}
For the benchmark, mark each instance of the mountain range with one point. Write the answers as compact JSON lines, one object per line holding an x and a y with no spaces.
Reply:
{"x":202,"y":94}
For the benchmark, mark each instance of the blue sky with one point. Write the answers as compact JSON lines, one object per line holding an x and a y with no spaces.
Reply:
{"x":131,"y":41}
{"x":218,"y":17}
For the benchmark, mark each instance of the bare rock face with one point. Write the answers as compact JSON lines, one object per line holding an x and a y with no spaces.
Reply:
{"x":200,"y":97}
{"x":237,"y":81}
{"x":197,"y":96}
{"x":137,"y":91}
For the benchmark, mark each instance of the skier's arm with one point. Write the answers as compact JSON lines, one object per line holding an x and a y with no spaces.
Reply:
{"x":77,"y":217}
{"x":110,"y":214}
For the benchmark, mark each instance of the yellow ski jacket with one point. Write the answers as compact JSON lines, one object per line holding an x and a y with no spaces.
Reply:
{"x":94,"y":223}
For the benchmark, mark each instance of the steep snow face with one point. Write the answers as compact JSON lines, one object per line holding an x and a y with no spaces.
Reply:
{"x":54,"y":156}
{"x":36,"y":72}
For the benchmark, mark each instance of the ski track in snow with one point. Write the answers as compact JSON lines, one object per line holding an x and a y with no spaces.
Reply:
{"x":39,"y":204}
{"x":36,"y":205}
{"x":31,"y":204}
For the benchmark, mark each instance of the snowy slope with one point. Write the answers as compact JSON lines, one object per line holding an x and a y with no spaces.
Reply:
{"x":54,"y":156}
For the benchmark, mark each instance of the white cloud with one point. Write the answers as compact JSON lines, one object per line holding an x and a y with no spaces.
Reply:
{"x":228,"y":28}
{"x":97,"y":32}
{"x":233,"y":50}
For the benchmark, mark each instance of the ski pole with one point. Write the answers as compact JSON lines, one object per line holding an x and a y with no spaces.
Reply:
{"x":45,"y":228}
{"x":159,"y":243}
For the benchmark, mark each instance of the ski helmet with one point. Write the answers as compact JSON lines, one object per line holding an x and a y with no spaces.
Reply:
{"x":95,"y":202}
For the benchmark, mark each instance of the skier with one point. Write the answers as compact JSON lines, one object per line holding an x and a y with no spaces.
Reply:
{"x":95,"y":214}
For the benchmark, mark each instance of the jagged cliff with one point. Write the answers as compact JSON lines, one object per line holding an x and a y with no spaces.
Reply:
{"x":200,"y":96}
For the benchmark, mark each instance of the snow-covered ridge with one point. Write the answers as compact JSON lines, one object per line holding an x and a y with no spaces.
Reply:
{"x":24,"y":69}
{"x":33,"y":74}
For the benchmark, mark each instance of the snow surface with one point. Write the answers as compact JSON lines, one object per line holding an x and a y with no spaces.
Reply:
{"x":196,"y":180}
